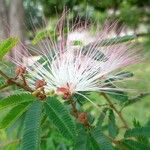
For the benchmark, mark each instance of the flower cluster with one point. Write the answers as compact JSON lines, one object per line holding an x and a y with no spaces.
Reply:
{"x":68,"y":69}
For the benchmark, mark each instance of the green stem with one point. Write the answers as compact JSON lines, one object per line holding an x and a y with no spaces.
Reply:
{"x":115,"y":109}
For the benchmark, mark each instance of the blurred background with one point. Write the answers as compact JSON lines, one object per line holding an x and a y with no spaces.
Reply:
{"x":18,"y":17}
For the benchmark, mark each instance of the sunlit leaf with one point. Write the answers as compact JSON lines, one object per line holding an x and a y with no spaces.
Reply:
{"x":42,"y":35}
{"x":7,"y":45}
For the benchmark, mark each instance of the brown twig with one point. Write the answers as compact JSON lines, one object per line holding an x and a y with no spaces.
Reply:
{"x":115,"y":109}
{"x":11,"y":81}
{"x":24,"y":80}
{"x":80,"y":116}
{"x":74,"y":109}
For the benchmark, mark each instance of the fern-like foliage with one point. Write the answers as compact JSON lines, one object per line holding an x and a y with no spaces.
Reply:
{"x":91,"y":139}
{"x":112,"y":127}
{"x":136,"y":99}
{"x":14,"y":114}
{"x":102,"y":117}
{"x":82,"y":139}
{"x":31,"y":132}
{"x":139,"y":131}
{"x":101,"y":139}
{"x":15,"y":100}
{"x":134,"y":145}
{"x":60,"y":117}
{"x":93,"y":144}
{"x":113,"y":41}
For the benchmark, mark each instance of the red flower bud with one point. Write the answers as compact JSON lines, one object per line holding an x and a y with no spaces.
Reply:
{"x":82,"y":117}
{"x":40,"y":83}
{"x":64,"y":92}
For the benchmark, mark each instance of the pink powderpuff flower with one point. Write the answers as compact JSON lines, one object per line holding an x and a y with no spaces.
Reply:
{"x":69,"y":69}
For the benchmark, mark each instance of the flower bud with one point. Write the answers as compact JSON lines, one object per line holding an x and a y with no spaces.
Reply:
{"x":64,"y":92}
{"x":40,"y":83}
{"x":41,"y":96}
{"x":82,"y":118}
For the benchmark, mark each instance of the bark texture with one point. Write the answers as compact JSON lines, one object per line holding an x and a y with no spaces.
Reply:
{"x":16,"y":22}
{"x":3,"y":20}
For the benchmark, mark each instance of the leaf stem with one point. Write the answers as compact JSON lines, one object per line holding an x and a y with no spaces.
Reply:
{"x":115,"y":109}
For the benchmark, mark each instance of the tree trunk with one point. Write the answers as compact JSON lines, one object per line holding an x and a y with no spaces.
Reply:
{"x":3,"y":20}
{"x":16,"y":22}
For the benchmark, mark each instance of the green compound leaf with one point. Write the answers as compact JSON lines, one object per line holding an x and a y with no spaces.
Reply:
{"x":120,"y":76}
{"x":101,"y":139}
{"x":60,"y":117}
{"x":94,"y":144}
{"x":42,"y":35}
{"x":120,"y":96}
{"x":134,"y":145}
{"x":15,"y":100}
{"x":139,"y":131}
{"x":82,"y":140}
{"x":135,"y":99}
{"x":113,"y":41}
{"x":117,"y":40}
{"x":85,"y":141}
{"x":91,"y":140}
{"x":102,"y":117}
{"x":7,"y":45}
{"x":14,"y":114}
{"x":31,"y":132}
{"x":141,"y":139}
{"x":112,"y":127}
